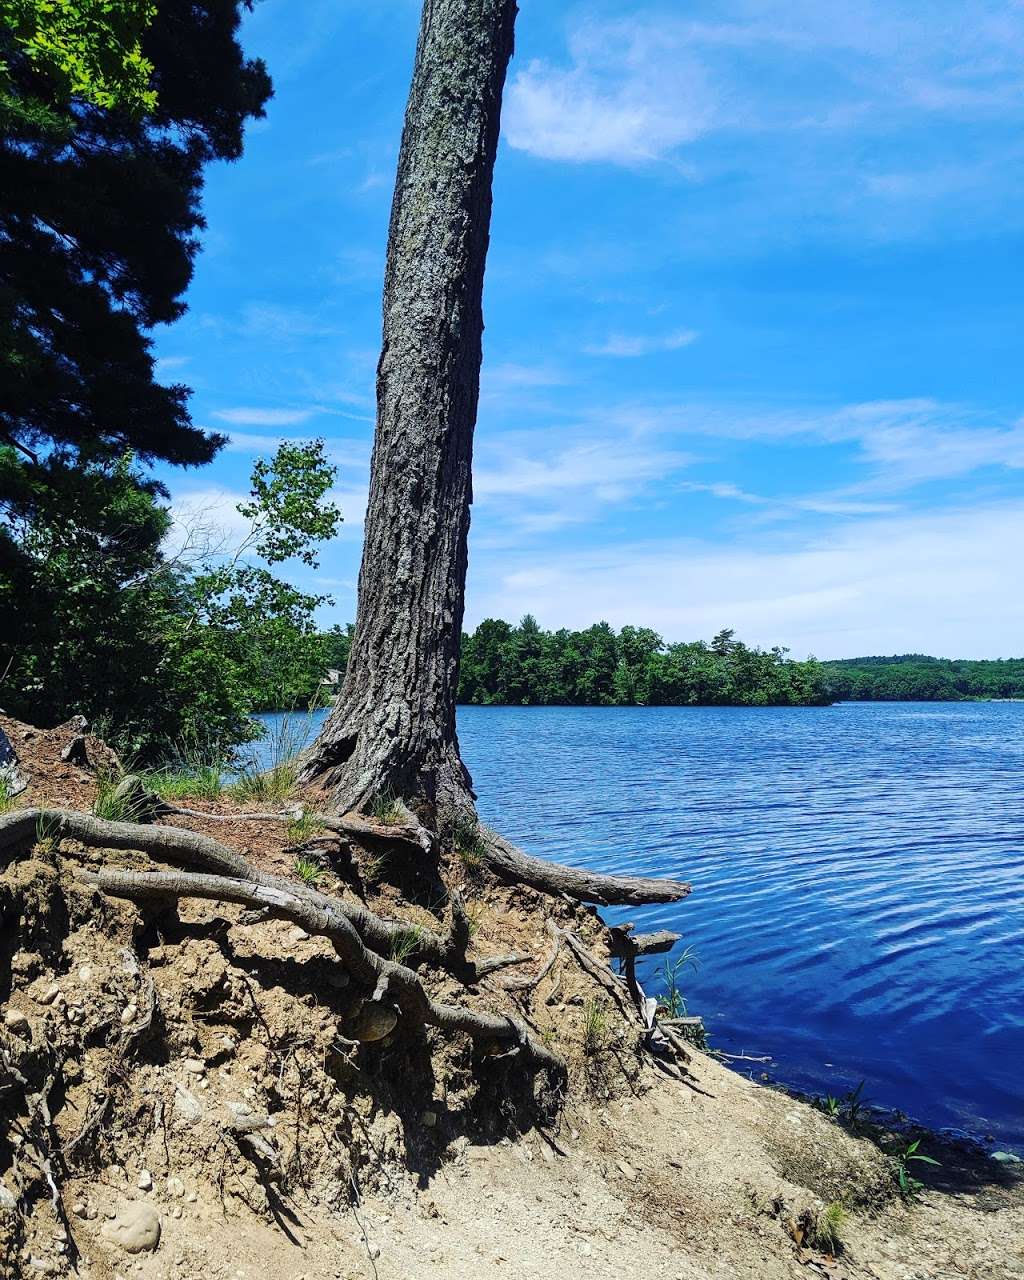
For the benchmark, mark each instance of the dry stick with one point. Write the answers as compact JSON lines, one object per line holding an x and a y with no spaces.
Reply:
{"x":600,"y":972}
{"x":175,"y":811}
{"x":369,"y":969}
{"x":528,"y":984}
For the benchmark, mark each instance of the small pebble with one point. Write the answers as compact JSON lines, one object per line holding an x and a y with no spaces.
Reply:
{"x":48,"y":995}
{"x":85,"y":973}
{"x":75,"y":1014}
{"x":145,"y":1180}
{"x":128,"y":1014}
{"x":194,"y":1066}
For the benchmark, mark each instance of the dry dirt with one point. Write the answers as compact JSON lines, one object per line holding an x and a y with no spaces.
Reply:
{"x":244,"y":1137}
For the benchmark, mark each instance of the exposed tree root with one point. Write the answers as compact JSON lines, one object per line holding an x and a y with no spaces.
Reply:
{"x":360,"y":938}
{"x":387,"y":979}
{"x":509,"y":863}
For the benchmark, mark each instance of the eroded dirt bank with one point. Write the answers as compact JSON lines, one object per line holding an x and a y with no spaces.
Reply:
{"x":183,"y":1094}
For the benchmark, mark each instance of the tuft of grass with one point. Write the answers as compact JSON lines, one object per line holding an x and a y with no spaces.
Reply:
{"x":274,"y":786}
{"x":386,"y":809}
{"x":468,"y":842}
{"x":404,"y":942}
{"x":188,"y":781}
{"x":116,"y":802}
{"x":302,"y":827}
{"x":826,"y":1230}
{"x":47,"y":835}
{"x":309,"y":870}
{"x":271,"y":776}
{"x":6,"y":795}
{"x":673,"y":999}
{"x":595,"y":1027}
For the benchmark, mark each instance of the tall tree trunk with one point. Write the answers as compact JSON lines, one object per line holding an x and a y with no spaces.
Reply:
{"x":392,"y":732}
{"x":393,"y":729}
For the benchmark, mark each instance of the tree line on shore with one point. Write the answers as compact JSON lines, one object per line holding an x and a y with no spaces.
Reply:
{"x":914,"y":677}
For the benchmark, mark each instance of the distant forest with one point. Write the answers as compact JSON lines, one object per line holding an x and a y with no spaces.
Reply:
{"x":524,"y":665}
{"x":913,"y":677}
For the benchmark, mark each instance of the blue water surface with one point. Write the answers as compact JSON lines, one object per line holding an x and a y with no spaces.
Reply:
{"x":857,"y":874}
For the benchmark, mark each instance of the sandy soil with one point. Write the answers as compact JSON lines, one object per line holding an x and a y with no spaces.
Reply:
{"x":245,"y":1139}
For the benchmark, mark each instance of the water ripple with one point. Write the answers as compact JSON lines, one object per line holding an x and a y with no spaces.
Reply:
{"x":857,"y":876}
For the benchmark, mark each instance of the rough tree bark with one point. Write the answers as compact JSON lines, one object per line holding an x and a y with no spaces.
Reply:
{"x":392,"y":732}
{"x":393,"y":729}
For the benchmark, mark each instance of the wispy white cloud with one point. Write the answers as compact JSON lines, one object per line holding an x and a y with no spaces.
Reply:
{"x":608,"y":469}
{"x":640,"y":88}
{"x":257,"y":417}
{"x":900,"y":443}
{"x":510,"y":376}
{"x":913,"y":583}
{"x":624,"y":345}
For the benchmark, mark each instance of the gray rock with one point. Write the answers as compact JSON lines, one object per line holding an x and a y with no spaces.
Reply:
{"x":10,"y":774}
{"x":374,"y":1021}
{"x":135,"y":1229}
{"x":16,"y":1021}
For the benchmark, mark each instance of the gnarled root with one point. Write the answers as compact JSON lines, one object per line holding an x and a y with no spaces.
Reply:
{"x":509,"y":863}
{"x":361,"y":939}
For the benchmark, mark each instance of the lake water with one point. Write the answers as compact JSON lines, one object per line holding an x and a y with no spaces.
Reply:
{"x":857,"y":871}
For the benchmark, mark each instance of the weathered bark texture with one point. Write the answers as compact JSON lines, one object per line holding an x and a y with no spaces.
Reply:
{"x":510,"y":863}
{"x":393,"y":729}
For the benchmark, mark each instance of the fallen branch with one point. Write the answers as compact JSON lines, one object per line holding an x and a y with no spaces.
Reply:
{"x":510,"y":863}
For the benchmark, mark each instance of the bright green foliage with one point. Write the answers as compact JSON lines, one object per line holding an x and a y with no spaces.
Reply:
{"x":909,"y":1186}
{"x":673,"y":998}
{"x":302,"y":827}
{"x":188,"y":780}
{"x":526,"y":666}
{"x":168,"y":658}
{"x":309,"y":871}
{"x":917,"y":678}
{"x":87,"y":49}
{"x":100,"y":188}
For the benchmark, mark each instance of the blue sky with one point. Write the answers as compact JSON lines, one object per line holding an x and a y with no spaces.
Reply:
{"x":754,"y":312}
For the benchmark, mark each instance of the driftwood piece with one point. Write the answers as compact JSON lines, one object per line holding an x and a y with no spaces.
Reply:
{"x":510,"y":863}
{"x":626,"y":943}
